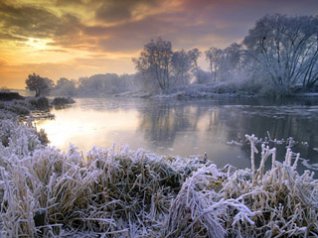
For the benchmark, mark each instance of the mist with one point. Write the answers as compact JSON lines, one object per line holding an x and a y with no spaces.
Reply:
{"x":175,"y":149}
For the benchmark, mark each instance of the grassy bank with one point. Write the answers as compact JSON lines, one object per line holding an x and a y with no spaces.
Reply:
{"x":123,"y":193}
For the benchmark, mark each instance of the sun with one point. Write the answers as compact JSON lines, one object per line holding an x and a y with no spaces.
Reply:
{"x":38,"y":44}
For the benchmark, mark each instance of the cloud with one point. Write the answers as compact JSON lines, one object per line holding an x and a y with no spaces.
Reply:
{"x":127,"y":25}
{"x":27,"y":20}
{"x":7,"y":36}
{"x":115,"y":29}
{"x":69,"y":2}
{"x":20,"y":22}
{"x":55,"y":50}
{"x":181,"y":27}
{"x":201,"y":23}
{"x":13,"y":76}
{"x":118,"y":11}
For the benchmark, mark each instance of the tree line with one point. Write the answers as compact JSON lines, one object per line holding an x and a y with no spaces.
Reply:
{"x":96,"y":85}
{"x":279,"y":54}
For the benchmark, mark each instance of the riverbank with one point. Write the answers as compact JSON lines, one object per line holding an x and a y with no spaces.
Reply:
{"x":202,"y":92}
{"x":123,"y":193}
{"x":38,"y":107}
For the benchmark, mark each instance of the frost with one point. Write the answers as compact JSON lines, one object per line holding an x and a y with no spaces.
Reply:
{"x":117,"y":192}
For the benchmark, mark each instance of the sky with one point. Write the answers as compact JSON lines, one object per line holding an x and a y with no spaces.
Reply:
{"x":80,"y":38}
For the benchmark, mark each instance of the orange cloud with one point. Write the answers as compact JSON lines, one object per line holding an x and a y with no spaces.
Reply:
{"x":75,"y":38}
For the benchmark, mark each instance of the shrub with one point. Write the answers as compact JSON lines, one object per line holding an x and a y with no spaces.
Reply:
{"x":61,"y":102}
{"x":43,"y":137}
{"x":41,"y":103}
{"x":8,"y":96}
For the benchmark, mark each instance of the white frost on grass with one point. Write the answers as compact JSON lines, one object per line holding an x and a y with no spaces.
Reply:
{"x":123,"y":193}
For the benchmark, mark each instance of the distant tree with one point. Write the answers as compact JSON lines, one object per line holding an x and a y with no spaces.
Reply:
{"x":164,"y":67}
{"x":97,"y":85}
{"x":224,"y":64}
{"x":40,"y":85}
{"x":202,"y":77}
{"x":285,"y":49}
{"x":229,"y":62}
{"x":232,"y":56}
{"x":213,"y":56}
{"x":65,"y":87}
{"x":181,"y":63}
{"x":154,"y":62}
{"x":106,"y":84}
{"x":194,"y":55}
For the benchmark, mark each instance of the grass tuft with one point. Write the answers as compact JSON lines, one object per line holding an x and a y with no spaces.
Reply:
{"x":123,"y":193}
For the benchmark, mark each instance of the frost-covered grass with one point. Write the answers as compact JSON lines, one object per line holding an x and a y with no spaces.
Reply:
{"x":121,"y":193}
{"x":24,"y":107}
{"x":14,"y":107}
{"x":213,"y":90}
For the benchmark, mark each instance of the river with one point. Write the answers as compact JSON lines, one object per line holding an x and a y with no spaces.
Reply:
{"x":186,"y":128}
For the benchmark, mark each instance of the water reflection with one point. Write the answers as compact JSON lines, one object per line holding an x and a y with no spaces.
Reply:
{"x":161,"y":122}
{"x":183,"y":128}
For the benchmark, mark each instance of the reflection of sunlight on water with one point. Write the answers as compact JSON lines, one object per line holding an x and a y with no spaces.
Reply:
{"x":87,"y":128}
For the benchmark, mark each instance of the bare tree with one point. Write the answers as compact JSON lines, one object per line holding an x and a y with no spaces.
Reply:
{"x":194,"y":55}
{"x":285,"y":49}
{"x":181,"y":65}
{"x":213,"y":56}
{"x":229,"y":62}
{"x":154,"y":62}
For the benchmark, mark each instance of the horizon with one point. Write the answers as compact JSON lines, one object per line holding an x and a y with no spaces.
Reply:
{"x":73,"y":39}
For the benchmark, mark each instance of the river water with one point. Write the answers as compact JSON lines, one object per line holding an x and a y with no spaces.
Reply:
{"x":186,"y":128}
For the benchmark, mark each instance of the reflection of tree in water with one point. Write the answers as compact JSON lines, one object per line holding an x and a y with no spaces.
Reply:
{"x":162,"y":121}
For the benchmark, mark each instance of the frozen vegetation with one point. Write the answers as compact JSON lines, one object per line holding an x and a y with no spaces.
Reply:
{"x":121,"y":193}
{"x":278,"y":57}
{"x":114,"y":192}
{"x":13,"y":105}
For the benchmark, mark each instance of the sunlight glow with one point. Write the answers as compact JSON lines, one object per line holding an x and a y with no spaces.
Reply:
{"x":38,"y":44}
